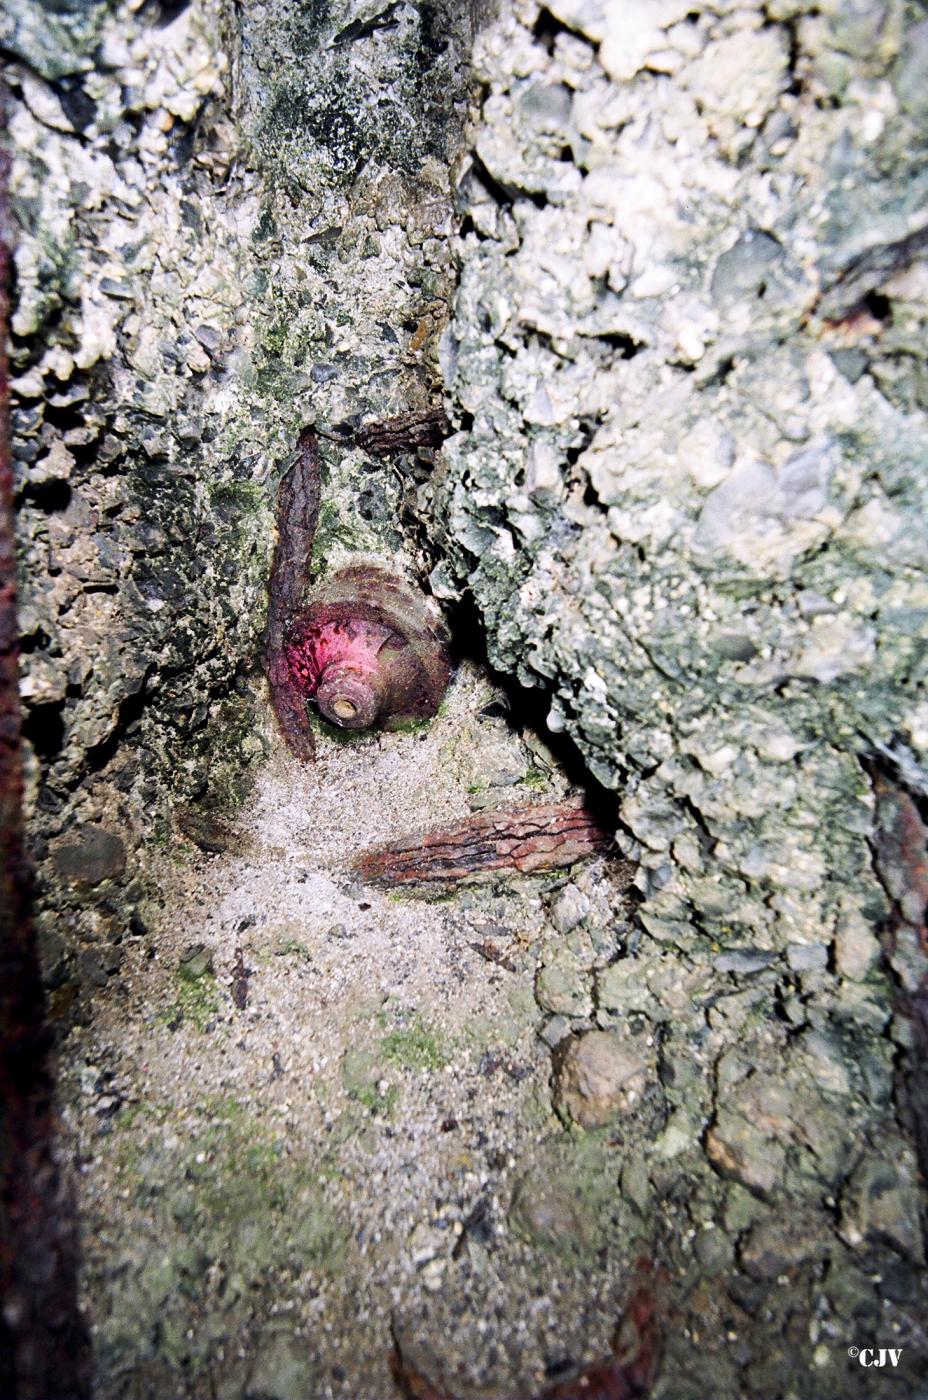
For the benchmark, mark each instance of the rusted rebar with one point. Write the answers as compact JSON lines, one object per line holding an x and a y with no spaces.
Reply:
{"x":297,"y":517}
{"x":542,"y":836}
{"x":404,"y":433}
{"x":44,"y":1347}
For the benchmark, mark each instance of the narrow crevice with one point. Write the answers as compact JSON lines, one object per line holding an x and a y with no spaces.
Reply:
{"x":525,"y":709}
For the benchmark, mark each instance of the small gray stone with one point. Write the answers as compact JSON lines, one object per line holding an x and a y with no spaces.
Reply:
{"x":827,"y":1061}
{"x":807,"y":957}
{"x":112,"y":957}
{"x":91,"y":856}
{"x":744,"y":960}
{"x":912,"y":74}
{"x":713,"y":1250}
{"x":636,"y":1185}
{"x":505,"y":774}
{"x":284,"y":1369}
{"x":856,"y":946}
{"x":745,"y":271}
{"x":569,"y":909}
{"x":562,"y":988}
{"x":195,"y":962}
{"x":209,"y":337}
{"x":881,"y":1203}
{"x":90,"y":967}
{"x":555,"y":1030}
{"x":205,"y":829}
{"x":778,"y":1243}
{"x":740,"y":1150}
{"x":53,"y":955}
{"x":548,"y":1213}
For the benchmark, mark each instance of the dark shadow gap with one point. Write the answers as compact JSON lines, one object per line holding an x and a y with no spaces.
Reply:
{"x":525,"y":710}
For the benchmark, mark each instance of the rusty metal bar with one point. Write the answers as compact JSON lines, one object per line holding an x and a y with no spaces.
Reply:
{"x":44,"y":1347}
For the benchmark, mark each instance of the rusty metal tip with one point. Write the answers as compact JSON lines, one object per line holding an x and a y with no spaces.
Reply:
{"x":348,"y":697}
{"x":369,"y":648}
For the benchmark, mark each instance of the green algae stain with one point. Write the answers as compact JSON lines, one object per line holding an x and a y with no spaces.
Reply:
{"x":195,"y":1003}
{"x":336,"y":735}
{"x":414,"y":1046}
{"x":210,"y":1190}
{"x":380,"y":1104}
{"x":361,"y":1074}
{"x":534,"y":780}
{"x":568,"y":1203}
{"x":331,"y":530}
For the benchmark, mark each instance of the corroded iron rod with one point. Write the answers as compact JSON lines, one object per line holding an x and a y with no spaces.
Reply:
{"x":543,"y":836}
{"x":44,"y":1347}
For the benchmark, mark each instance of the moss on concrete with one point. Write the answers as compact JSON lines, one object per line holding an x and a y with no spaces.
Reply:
{"x":196,"y":1002}
{"x":220,"y":1204}
{"x":414,"y":1045}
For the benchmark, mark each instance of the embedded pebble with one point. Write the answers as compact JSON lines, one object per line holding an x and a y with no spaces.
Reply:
{"x":598,"y":1078}
{"x":569,"y":909}
{"x":93,"y":855}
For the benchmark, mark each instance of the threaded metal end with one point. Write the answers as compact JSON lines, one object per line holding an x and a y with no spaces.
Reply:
{"x":348,"y":697}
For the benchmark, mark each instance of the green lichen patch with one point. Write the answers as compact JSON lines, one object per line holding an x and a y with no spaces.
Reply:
{"x":333,"y":530}
{"x":381,"y":1104}
{"x":535,"y":780}
{"x":196,"y":1001}
{"x":293,"y":947}
{"x":334,"y":734}
{"x":332,"y":109}
{"x":361,"y":1073}
{"x":414,"y":1045}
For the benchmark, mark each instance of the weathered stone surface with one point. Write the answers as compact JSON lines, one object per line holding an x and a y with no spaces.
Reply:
{"x":196,"y":239}
{"x":882,"y":1201}
{"x":856,"y":946}
{"x":550,"y":1215}
{"x":686,"y":369}
{"x":569,"y":909}
{"x":740,"y":1150}
{"x":777,"y":1244}
{"x":284,"y":1368}
{"x":231,"y":223}
{"x":196,"y":961}
{"x":598,"y":1078}
{"x":686,"y":500}
{"x":561,"y":987}
{"x":679,"y":508}
{"x":92,"y":855}
{"x":568,"y":1203}
{"x":205,"y":829}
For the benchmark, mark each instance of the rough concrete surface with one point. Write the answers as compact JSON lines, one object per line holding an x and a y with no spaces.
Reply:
{"x":313,"y":1104}
{"x":688,"y":502}
{"x":666,"y":263}
{"x":216,"y":246}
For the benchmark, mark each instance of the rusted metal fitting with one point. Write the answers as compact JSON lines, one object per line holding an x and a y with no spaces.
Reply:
{"x":369,"y":649}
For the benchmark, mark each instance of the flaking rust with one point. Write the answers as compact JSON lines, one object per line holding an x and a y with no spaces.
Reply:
{"x":901,"y":854}
{"x":536,"y":837}
{"x":404,"y":433}
{"x":900,"y":850}
{"x":297,"y":517}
